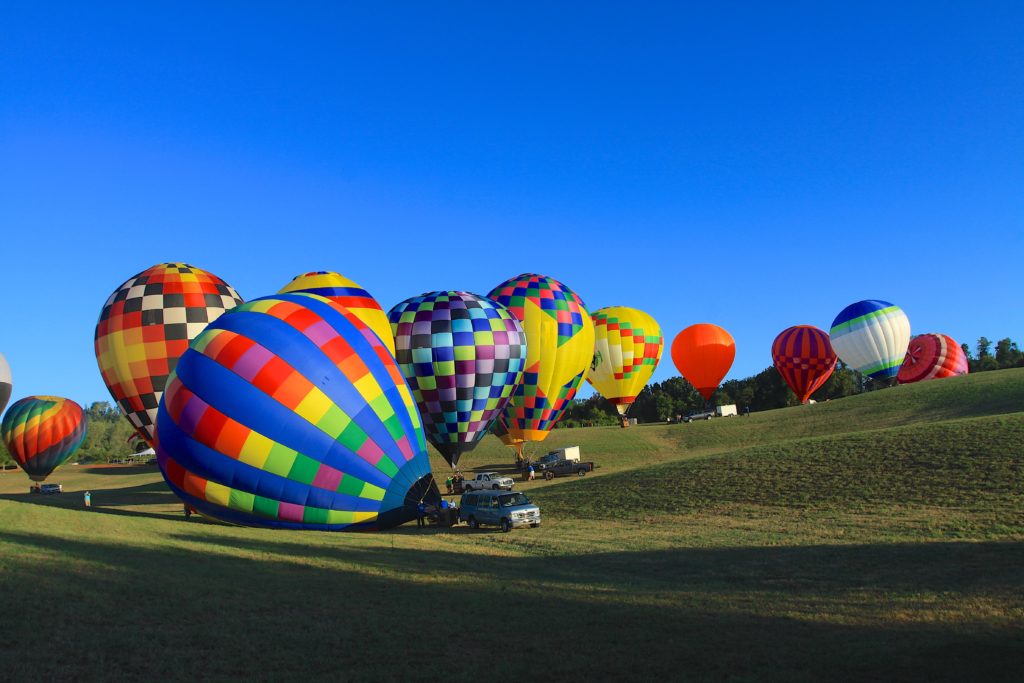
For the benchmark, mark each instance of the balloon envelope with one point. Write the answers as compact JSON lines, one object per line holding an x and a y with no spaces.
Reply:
{"x":871,"y":337}
{"x":288,"y":411}
{"x":347,"y":293}
{"x":145,"y":326}
{"x":932,"y":356}
{"x":627,"y":348}
{"x":5,"y":383}
{"x":463,"y":355}
{"x":559,"y":350}
{"x":42,"y":432}
{"x":703,"y":354}
{"x":804,"y":357}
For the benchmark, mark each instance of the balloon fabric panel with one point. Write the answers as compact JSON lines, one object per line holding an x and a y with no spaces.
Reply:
{"x":627,"y":348}
{"x":146,"y":325}
{"x":871,"y":337}
{"x":291,"y":412}
{"x":349,"y":294}
{"x":5,"y":383}
{"x":559,"y":350}
{"x":804,"y":357}
{"x":932,"y":356}
{"x":463,"y":356}
{"x":703,"y":354}
{"x":42,"y":432}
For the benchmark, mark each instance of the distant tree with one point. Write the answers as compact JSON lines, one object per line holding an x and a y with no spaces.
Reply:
{"x":984,"y":348}
{"x":1007,"y":353}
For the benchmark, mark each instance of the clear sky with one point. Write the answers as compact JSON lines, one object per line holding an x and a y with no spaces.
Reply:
{"x":754,"y":165}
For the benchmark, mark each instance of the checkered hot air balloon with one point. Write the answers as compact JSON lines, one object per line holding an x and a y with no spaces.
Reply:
{"x":932,"y":356}
{"x":871,"y":337}
{"x":341,"y":290}
{"x":804,"y":357}
{"x":42,"y":432}
{"x":288,"y":411}
{"x":463,"y":355}
{"x":627,"y":349}
{"x":145,"y":326}
{"x":559,"y":350}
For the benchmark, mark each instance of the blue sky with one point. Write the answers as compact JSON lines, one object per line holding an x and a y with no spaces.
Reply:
{"x":747,"y":164}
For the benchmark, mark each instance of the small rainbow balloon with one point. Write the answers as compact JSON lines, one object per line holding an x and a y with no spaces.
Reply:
{"x":42,"y":432}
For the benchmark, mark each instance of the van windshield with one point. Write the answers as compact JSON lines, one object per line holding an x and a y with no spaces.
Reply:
{"x":513,"y":499}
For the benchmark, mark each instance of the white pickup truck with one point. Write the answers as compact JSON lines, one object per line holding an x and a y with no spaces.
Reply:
{"x":488,"y":480}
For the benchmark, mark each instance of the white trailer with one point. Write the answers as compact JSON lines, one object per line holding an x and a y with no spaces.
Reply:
{"x":726,"y":410}
{"x":568,"y":453}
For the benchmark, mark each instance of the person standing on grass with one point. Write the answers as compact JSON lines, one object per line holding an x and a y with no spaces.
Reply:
{"x":529,"y":469}
{"x":448,"y":483}
{"x":421,"y":511}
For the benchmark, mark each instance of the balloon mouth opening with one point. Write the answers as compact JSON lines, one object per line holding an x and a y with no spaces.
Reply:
{"x":423,"y":489}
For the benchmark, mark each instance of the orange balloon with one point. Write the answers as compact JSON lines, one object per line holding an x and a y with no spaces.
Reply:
{"x":703,"y":353}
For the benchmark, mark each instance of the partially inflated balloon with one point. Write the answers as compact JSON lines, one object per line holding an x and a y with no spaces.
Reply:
{"x":627,"y":348}
{"x":932,"y":356}
{"x":5,"y":382}
{"x":463,"y":355}
{"x":804,"y":357}
{"x":871,"y":337}
{"x":703,"y":354}
{"x":42,"y":432}
{"x":559,"y":350}
{"x":146,"y":325}
{"x":341,"y":290}
{"x":289,"y":412}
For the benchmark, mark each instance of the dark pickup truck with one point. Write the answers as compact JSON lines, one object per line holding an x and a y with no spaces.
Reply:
{"x":550,"y":467}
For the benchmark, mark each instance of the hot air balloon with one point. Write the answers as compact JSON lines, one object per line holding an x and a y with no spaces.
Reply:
{"x":146,"y":325}
{"x":703,"y":354}
{"x":932,"y":356}
{"x":288,"y":412}
{"x":42,"y":432}
{"x":341,"y":290}
{"x":5,"y":383}
{"x":871,"y":337}
{"x":463,"y":355}
{"x":559,"y":350}
{"x":627,"y":349}
{"x":804,"y":357}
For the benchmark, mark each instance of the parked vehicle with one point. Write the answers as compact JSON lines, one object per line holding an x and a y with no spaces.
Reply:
{"x":726,"y":410}
{"x":506,"y":509}
{"x":699,"y":415}
{"x":567,"y":467}
{"x":488,"y":480}
{"x":46,"y":488}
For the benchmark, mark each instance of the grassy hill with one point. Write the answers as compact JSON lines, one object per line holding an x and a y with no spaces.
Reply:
{"x":875,"y":537}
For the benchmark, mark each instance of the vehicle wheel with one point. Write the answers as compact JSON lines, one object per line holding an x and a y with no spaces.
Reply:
{"x":506,"y":525}
{"x":473,"y":524}
{"x":534,"y":526}
{"x":581,"y":473}
{"x":494,"y":488}
{"x":708,"y":417}
{"x":467,"y":489}
{"x":549,"y":475}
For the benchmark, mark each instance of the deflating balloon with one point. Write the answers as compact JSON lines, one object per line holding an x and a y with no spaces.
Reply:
{"x":871,"y":337}
{"x":42,"y":432}
{"x":5,"y":383}
{"x":932,"y":356}
{"x":144,"y":328}
{"x":703,"y":354}
{"x":804,"y":357}
{"x":341,"y":290}
{"x":462,"y":355}
{"x":559,"y":350}
{"x":289,"y":412}
{"x":627,"y":349}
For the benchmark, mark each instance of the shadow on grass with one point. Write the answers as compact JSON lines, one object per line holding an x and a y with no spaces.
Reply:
{"x":266,"y":608}
{"x":117,"y":470}
{"x":112,"y":501}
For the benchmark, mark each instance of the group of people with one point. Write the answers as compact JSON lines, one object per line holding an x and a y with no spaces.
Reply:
{"x":444,"y":513}
{"x":454,"y":482}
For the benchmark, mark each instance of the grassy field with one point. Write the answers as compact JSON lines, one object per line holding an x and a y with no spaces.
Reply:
{"x":878,"y":537}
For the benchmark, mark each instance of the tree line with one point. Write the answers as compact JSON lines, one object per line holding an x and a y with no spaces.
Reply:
{"x":675,"y":397}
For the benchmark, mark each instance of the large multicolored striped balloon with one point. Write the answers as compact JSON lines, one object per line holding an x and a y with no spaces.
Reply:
{"x":341,"y":290}
{"x":871,"y":337}
{"x":463,"y":355}
{"x":289,"y":411}
{"x":627,"y":348}
{"x":703,"y":354}
{"x":145,"y":326}
{"x":559,"y":350}
{"x":5,"y":382}
{"x":932,"y":356}
{"x":804,"y":357}
{"x":42,"y":432}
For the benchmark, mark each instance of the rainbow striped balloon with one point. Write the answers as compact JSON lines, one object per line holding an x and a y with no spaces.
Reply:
{"x":42,"y":432}
{"x":290,"y":412}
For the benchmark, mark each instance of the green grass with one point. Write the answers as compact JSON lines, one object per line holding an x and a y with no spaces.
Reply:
{"x":878,"y":537}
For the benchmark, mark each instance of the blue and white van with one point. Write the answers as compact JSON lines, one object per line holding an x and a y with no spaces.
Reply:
{"x":507,"y":509}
